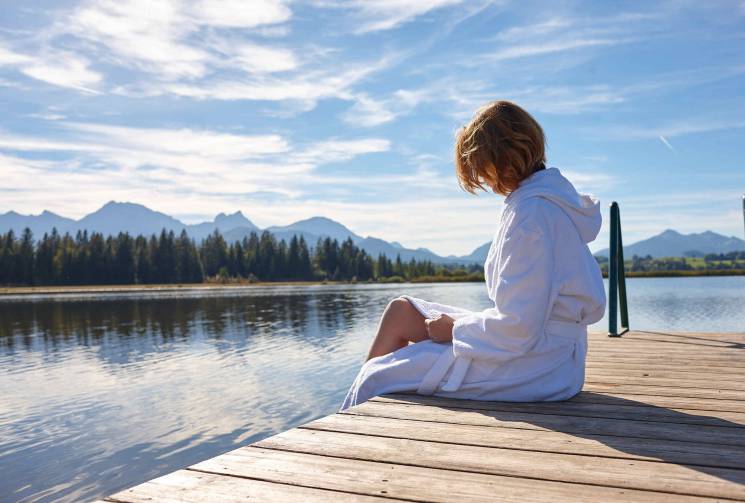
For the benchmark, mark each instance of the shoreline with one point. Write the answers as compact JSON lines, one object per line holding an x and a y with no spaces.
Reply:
{"x":183,"y":287}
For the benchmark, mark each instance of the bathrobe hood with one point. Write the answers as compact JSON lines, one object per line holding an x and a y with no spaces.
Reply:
{"x":583,"y":210}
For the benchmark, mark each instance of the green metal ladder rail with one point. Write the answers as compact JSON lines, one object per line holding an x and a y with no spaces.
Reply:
{"x":616,"y":277}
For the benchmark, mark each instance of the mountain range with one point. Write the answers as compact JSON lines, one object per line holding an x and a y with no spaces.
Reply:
{"x":670,"y":243}
{"x":115,"y":217}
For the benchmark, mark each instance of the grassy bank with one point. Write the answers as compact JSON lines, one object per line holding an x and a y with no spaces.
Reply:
{"x":682,"y":273}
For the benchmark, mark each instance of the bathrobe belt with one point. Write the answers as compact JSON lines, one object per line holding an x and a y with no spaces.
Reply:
{"x":434,"y":376}
{"x":437,"y":372}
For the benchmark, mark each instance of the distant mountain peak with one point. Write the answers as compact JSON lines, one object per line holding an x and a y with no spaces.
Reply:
{"x":318,"y":219}
{"x":117,"y":204}
{"x":113,"y":206}
{"x":233,"y":220}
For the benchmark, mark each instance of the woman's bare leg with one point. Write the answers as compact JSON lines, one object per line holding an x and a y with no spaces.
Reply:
{"x":400,"y":324}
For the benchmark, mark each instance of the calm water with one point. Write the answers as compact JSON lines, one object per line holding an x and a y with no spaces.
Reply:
{"x":103,"y":392}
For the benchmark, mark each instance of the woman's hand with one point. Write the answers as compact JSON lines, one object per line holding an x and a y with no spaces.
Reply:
{"x":440,"y":329}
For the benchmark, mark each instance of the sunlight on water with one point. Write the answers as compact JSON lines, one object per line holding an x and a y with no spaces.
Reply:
{"x":102,"y":392}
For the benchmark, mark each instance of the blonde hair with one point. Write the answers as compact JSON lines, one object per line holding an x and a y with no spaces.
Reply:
{"x":501,"y":146}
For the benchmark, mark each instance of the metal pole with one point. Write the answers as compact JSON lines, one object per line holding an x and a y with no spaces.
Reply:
{"x":621,"y":277}
{"x":613,"y":273}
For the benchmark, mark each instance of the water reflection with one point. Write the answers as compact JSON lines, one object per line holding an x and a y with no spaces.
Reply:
{"x":102,"y":392}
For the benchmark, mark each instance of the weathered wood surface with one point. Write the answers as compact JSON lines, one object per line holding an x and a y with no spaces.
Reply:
{"x":662,"y":418}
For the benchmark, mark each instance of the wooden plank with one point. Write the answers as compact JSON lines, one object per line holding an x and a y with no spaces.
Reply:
{"x":736,"y":337}
{"x":653,"y":361}
{"x":626,"y":345}
{"x":689,"y":368}
{"x":567,"y":424}
{"x":692,"y":404}
{"x":640,"y":396}
{"x":541,"y":441}
{"x":616,"y":408}
{"x":683,"y":377}
{"x":718,"y":384}
{"x":669,"y":391}
{"x":190,"y":486}
{"x":414,"y":483}
{"x":628,"y":474}
{"x":670,"y":342}
{"x":734,"y":355}
{"x":733,"y":341}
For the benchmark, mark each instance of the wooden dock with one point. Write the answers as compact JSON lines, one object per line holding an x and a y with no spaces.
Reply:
{"x":662,"y":418}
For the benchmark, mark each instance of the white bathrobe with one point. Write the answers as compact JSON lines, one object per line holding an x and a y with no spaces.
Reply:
{"x":546,"y":287}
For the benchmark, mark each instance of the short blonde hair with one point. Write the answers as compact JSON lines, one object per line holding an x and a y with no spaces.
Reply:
{"x":501,"y":146}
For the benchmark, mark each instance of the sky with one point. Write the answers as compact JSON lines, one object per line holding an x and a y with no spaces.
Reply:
{"x":348,"y":109}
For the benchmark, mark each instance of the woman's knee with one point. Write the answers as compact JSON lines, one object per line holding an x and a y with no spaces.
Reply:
{"x":400,"y":309}
{"x":399,"y":304}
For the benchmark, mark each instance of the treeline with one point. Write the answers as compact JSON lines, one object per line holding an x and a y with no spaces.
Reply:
{"x":710,"y":263}
{"x":95,"y":259}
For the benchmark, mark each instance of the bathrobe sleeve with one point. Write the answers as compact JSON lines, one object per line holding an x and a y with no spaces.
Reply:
{"x":522,"y":289}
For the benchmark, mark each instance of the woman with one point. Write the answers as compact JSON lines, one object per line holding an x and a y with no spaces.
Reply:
{"x":545,"y":284}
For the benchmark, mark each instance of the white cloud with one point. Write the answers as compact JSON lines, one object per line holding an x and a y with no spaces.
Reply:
{"x":170,"y":168}
{"x":301,"y":88}
{"x":148,"y":34}
{"x":254,"y":58}
{"x":568,"y":33}
{"x":548,"y":47}
{"x":8,"y":57}
{"x":666,"y":143}
{"x":168,"y":40}
{"x":59,"y":68}
{"x":670,"y":130}
{"x":340,"y":150}
{"x":219,"y":146}
{"x":368,"y":112}
{"x":379,"y":15}
{"x":241,"y":13}
{"x":65,"y":70}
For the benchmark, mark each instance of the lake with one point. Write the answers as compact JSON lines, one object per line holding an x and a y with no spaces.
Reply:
{"x":101,"y":392}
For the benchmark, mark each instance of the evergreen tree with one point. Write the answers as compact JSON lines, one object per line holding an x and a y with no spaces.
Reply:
{"x":305,"y":267}
{"x":214,"y":253}
{"x":8,"y":258}
{"x":25,"y":258}
{"x":124,"y":260}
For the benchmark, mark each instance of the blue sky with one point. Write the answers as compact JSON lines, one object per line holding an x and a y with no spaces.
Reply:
{"x":348,"y":109}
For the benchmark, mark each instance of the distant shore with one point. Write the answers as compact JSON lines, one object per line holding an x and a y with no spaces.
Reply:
{"x":682,"y":273}
{"x":216,"y":286}
{"x":180,"y":287}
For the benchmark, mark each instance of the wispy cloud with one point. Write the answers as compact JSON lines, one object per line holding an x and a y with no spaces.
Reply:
{"x":368,"y":111}
{"x":181,"y":164}
{"x":568,"y":33}
{"x":55,"y":67}
{"x":166,"y":38}
{"x":670,"y":130}
{"x":380,"y":15}
{"x":666,"y":143}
